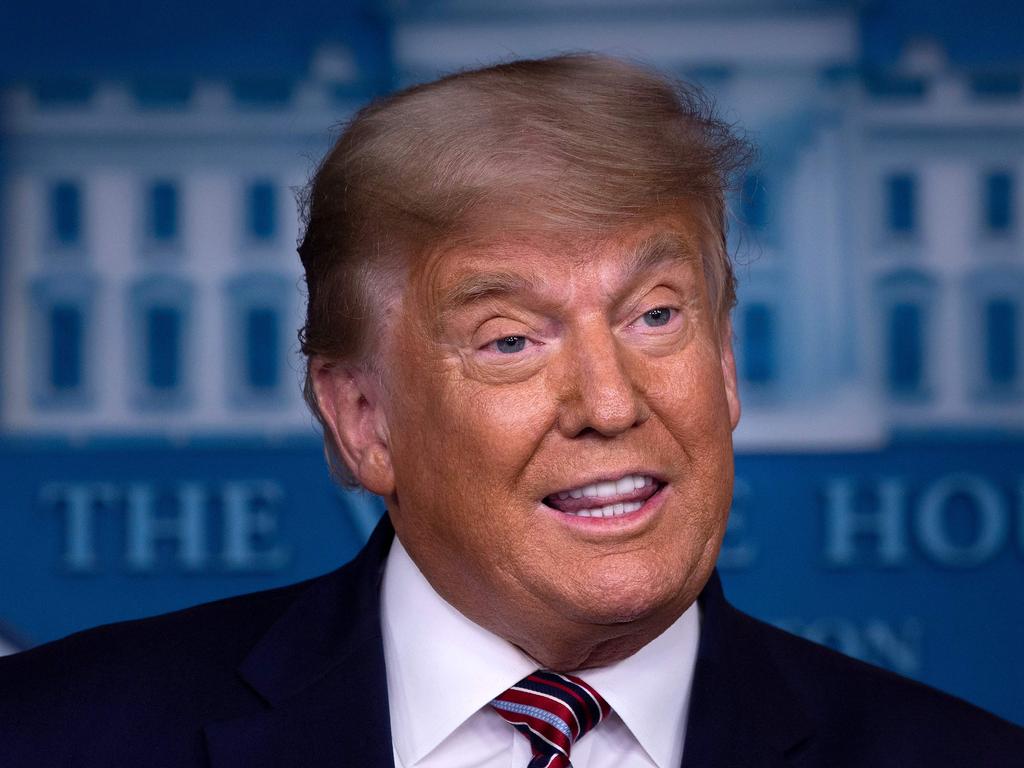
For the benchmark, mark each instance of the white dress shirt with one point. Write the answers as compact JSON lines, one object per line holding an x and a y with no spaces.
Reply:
{"x":443,"y":669}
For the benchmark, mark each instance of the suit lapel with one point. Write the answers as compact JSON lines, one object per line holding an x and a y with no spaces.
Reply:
{"x":742,"y":710}
{"x":320,"y":669}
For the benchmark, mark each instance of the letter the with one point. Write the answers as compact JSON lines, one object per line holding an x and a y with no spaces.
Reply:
{"x":79,"y":502}
{"x":186,"y":529}
{"x":250,"y":527}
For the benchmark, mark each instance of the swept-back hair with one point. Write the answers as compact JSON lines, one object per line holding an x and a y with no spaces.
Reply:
{"x":578,"y":144}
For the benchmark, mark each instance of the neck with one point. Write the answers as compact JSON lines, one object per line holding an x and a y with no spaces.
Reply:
{"x":574,"y":656}
{"x":564,"y":646}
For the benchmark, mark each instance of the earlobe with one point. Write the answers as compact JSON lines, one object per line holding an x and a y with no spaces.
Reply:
{"x":351,"y":405}
{"x":732,"y":393}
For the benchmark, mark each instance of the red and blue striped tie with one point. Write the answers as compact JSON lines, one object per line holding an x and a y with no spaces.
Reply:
{"x":553,"y":711}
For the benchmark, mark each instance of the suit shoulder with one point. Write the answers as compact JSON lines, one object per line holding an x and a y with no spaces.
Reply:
{"x":219,"y":629}
{"x":846,"y":695}
{"x":162,"y":674}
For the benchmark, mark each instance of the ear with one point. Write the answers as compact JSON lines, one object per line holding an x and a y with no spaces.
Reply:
{"x":352,"y":405}
{"x":732,"y":393}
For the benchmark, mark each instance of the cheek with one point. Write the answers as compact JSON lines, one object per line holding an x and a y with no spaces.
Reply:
{"x":687,"y":398}
{"x":687,"y":392}
{"x":463,"y":451}
{"x":497,"y":429}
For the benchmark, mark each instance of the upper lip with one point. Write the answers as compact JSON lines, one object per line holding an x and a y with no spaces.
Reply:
{"x":605,"y":477}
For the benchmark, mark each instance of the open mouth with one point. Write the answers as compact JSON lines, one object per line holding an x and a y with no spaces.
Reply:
{"x":607,"y":498}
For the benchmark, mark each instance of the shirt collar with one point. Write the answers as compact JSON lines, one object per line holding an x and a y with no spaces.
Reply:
{"x":442,"y":668}
{"x":650,"y":690}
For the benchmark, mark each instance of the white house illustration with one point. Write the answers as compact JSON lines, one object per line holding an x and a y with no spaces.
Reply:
{"x":150,"y":286}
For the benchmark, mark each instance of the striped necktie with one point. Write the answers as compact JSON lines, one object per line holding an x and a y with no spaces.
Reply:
{"x":553,"y":711}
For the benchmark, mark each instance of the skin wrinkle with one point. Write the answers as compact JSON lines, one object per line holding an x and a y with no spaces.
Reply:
{"x":475,"y":286}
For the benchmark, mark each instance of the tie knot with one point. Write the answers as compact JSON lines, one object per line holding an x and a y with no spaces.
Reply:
{"x":553,"y":711}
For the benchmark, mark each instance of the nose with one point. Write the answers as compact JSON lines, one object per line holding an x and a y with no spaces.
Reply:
{"x":599,"y":388}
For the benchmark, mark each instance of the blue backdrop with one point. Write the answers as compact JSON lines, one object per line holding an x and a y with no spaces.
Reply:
{"x":909,"y":557}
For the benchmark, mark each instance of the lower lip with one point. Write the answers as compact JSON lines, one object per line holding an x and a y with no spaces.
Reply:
{"x":624,"y":522}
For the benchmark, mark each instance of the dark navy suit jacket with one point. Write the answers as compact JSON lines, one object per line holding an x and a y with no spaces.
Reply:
{"x":295,"y":677}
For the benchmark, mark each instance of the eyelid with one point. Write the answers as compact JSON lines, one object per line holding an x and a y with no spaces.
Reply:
{"x":672,"y":308}
{"x":504,"y":337}
{"x":503,"y":326}
{"x":490,"y":346}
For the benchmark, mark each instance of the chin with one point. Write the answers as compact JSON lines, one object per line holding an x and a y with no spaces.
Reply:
{"x":629,"y":597}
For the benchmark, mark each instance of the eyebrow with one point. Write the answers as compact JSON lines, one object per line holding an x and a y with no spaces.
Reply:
{"x":655,"y":251}
{"x":659,"y":249}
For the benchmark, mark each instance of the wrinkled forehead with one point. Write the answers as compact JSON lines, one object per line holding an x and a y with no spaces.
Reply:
{"x":481,"y":261}
{"x":430,"y":284}
{"x":515,"y":270}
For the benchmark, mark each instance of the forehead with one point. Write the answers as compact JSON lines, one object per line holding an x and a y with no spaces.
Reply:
{"x":455,"y":275}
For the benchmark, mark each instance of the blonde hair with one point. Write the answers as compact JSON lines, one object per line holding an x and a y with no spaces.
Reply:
{"x":575,"y":144}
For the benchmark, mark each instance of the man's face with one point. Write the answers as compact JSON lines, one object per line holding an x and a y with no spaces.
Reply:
{"x":559,"y":425}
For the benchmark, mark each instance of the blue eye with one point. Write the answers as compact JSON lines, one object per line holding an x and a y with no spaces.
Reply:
{"x":657,"y":316}
{"x":510,"y":344}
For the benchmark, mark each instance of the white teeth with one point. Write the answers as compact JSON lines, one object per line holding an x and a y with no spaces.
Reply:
{"x":610,"y":510}
{"x":608,"y":488}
